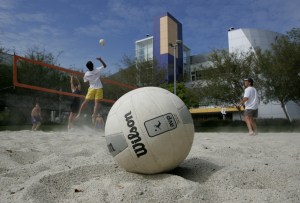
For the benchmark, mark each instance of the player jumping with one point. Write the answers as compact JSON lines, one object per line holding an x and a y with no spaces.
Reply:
{"x":95,"y":91}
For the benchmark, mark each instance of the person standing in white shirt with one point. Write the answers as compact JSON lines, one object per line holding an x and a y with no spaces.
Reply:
{"x":95,"y":91}
{"x":251,"y":101}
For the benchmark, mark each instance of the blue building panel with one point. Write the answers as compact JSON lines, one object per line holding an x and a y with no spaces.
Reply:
{"x":164,"y":60}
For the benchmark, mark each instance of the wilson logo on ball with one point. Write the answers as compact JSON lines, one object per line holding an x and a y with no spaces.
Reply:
{"x":138,"y":147}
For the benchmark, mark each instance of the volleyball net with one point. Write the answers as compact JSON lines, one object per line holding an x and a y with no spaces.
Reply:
{"x":47,"y":78}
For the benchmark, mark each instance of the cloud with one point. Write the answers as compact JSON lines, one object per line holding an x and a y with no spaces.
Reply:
{"x":89,"y":30}
{"x":45,"y":31}
{"x":7,"y":4}
{"x":277,"y":15}
{"x":34,"y":17}
{"x":119,"y":18}
{"x":6,"y":19}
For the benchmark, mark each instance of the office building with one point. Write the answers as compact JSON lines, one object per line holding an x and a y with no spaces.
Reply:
{"x":167,"y":32}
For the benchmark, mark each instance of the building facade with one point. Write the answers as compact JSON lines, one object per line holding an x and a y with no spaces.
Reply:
{"x":144,"y":49}
{"x":167,"y":29}
{"x":167,"y":32}
{"x":243,"y":40}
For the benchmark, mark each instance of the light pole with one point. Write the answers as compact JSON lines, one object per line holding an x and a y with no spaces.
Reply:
{"x":174,"y":45}
{"x":147,"y":44}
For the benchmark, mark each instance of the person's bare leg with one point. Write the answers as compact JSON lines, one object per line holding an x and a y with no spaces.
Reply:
{"x":248,"y":122}
{"x":83,"y":105}
{"x":38,"y":125}
{"x":253,"y":125}
{"x":71,"y":119}
{"x":33,"y":126}
{"x":96,"y":108}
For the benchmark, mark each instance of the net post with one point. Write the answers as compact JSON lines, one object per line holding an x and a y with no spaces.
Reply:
{"x":15,"y":79}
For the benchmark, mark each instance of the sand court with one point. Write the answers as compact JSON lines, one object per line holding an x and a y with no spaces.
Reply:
{"x":77,"y":167}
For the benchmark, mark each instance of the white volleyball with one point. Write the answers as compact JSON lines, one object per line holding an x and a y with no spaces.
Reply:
{"x":102,"y":42}
{"x":149,"y":130}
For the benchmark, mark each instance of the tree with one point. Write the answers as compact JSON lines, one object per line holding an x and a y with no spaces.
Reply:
{"x":36,"y":54}
{"x":20,"y":100}
{"x":5,"y":69}
{"x":222,"y":80}
{"x":139,"y":73}
{"x":188,"y":96}
{"x":2,"y":49}
{"x":135,"y":73}
{"x":280,"y":69}
{"x":294,"y":38}
{"x":42,"y":76}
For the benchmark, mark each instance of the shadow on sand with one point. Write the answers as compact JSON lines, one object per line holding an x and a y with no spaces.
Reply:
{"x":195,"y":169}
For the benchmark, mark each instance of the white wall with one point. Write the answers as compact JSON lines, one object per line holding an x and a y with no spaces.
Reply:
{"x":273,"y":110}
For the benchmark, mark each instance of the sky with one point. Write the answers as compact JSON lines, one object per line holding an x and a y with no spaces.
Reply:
{"x":71,"y":29}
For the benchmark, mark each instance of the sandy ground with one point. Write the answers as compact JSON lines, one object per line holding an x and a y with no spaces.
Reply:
{"x":77,"y":167}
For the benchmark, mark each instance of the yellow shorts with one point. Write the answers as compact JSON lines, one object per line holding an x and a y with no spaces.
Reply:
{"x":94,"y":94}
